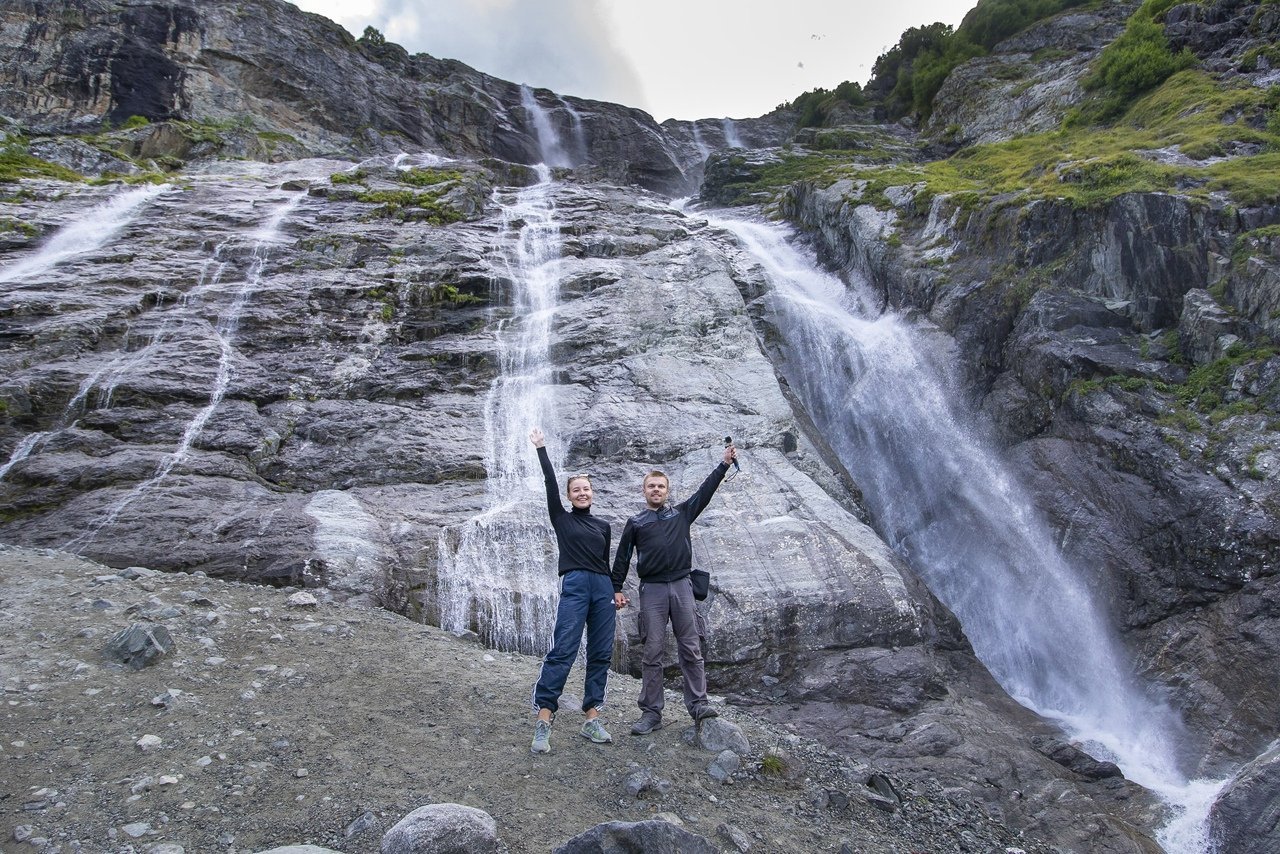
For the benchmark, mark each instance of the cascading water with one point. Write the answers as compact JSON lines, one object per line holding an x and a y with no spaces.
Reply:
{"x":496,"y":575}
{"x":551,"y":147}
{"x":704,"y":151}
{"x":262,"y":240}
{"x":578,"y":149}
{"x":86,"y":233}
{"x":731,"y":137}
{"x":878,"y":387}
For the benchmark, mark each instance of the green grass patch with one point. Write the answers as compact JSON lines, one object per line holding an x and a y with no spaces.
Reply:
{"x":16,"y":163}
{"x":1250,"y":242}
{"x":1089,"y":165}
{"x":428,"y":177}
{"x":355,"y":176}
{"x":1201,"y":388}
{"x":410,"y":205}
{"x":9,"y":225}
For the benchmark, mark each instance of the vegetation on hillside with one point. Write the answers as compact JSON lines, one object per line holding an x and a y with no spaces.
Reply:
{"x":1190,"y":112}
{"x":906,"y":78}
{"x":1135,"y":63}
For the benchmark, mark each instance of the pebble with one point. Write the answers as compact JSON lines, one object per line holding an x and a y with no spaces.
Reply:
{"x":204,"y":761}
{"x":215,"y":660}
{"x":137,"y":829}
{"x":149,"y":742}
{"x":301,"y":599}
{"x":301,"y":772}
{"x":22,"y":832}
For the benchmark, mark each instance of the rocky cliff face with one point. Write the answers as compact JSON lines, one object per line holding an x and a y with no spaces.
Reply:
{"x":296,"y":84}
{"x":290,"y":369}
{"x":277,"y":376}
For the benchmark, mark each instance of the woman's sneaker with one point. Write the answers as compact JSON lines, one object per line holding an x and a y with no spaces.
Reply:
{"x":541,"y":737}
{"x":595,"y":731}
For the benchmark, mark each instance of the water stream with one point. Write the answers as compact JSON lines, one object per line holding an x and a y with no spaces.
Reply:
{"x":880,"y":387}
{"x":86,"y":233}
{"x":262,"y":240}
{"x":551,"y":147}
{"x":496,"y":575}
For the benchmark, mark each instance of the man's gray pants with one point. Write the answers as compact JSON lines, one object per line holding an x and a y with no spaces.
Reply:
{"x":658,"y":604}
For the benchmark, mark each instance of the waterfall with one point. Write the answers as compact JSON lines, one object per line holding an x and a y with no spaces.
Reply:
{"x":550,"y":147}
{"x":731,"y":137}
{"x":262,"y":240}
{"x":579,"y":153}
{"x":22,"y":451}
{"x":704,"y":151}
{"x":879,"y":388}
{"x":88,"y":232}
{"x":496,"y":574}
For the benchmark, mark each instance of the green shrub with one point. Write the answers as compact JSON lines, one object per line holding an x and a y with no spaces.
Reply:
{"x":817,"y":104}
{"x":1138,"y":61}
{"x":135,"y":122}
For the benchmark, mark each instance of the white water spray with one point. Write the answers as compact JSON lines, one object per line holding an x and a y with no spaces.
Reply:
{"x":731,"y":137}
{"x":945,"y":500}
{"x":496,"y":575}
{"x":86,"y":233}
{"x":578,"y":150}
{"x":704,"y":151}
{"x":550,"y":146}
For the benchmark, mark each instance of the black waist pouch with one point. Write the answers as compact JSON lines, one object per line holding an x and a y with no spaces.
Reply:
{"x":701,"y":580}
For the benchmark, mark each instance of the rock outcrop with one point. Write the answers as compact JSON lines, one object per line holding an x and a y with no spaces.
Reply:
{"x":286,"y":367}
{"x":277,"y":84}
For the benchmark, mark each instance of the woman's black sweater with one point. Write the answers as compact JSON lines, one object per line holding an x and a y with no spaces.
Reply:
{"x":583,"y":539}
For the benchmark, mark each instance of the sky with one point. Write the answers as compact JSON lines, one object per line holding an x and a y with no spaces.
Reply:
{"x":684,"y":59}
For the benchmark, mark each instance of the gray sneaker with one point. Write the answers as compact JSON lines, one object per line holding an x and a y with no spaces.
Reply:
{"x":648,"y":722}
{"x":595,"y":731}
{"x":541,"y":738}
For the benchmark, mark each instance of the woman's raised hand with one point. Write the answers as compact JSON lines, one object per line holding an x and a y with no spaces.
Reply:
{"x":536,"y":437}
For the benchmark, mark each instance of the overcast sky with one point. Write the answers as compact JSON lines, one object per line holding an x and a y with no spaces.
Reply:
{"x":684,"y":59}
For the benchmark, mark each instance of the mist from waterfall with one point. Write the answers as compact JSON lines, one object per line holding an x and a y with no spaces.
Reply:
{"x":551,"y":147}
{"x":86,"y":233}
{"x":881,"y":389}
{"x":731,"y":137}
{"x":497,"y":574}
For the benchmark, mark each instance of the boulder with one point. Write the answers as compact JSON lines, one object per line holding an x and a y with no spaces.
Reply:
{"x":140,"y":645}
{"x":444,"y":829}
{"x":641,"y":837}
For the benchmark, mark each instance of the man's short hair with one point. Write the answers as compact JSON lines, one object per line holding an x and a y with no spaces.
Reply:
{"x":656,"y":473}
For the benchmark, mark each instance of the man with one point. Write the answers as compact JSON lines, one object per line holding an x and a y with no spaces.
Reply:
{"x":660,"y":537}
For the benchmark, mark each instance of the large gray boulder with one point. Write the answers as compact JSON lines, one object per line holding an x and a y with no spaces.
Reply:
{"x":640,"y":837}
{"x":444,"y":829}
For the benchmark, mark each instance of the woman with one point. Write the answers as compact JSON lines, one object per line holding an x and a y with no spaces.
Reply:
{"x":586,"y":600}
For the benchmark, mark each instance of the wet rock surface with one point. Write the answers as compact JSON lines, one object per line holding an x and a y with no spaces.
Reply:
{"x":1092,"y":364}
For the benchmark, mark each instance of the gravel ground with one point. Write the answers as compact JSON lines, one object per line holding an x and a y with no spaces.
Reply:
{"x":272,"y":725}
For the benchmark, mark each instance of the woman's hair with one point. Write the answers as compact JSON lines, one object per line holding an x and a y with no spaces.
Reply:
{"x":568,"y":483}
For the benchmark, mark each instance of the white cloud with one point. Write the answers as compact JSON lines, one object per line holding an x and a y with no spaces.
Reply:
{"x":564,"y":45}
{"x":683,"y":58}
